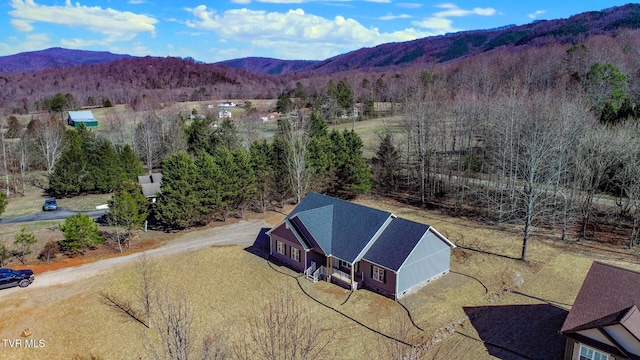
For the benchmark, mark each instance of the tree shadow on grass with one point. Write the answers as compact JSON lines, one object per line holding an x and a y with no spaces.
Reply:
{"x":260,"y":246}
{"x":520,"y":331}
{"x":488,"y":252}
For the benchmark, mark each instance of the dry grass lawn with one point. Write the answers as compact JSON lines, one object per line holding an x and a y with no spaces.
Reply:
{"x":491,"y":305}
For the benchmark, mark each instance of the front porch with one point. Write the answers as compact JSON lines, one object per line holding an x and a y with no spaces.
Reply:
{"x":348,"y":280}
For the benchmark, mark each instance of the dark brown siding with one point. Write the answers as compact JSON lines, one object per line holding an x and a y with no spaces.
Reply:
{"x":388,"y":288}
{"x":320,"y":259}
{"x":285,"y":236}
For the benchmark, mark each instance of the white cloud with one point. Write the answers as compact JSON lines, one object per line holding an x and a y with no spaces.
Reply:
{"x":295,"y":33}
{"x":21,"y":25}
{"x":29,"y":43}
{"x":114,"y":25}
{"x":454,"y":10}
{"x":409,"y":5}
{"x":440,"y":23}
{"x":394,"y":17}
{"x":282,"y":1}
{"x":436,"y":25}
{"x":536,"y":13}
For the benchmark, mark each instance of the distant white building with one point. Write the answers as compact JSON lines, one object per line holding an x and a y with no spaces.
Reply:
{"x":226,"y":104}
{"x":224,"y":114}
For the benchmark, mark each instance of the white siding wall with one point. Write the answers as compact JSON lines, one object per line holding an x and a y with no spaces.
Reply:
{"x":595,"y":334}
{"x":429,"y":260}
{"x":622,"y":336}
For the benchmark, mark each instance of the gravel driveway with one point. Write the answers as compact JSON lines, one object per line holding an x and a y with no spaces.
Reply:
{"x":242,"y":233}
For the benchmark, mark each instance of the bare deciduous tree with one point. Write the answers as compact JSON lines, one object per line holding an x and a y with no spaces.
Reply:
{"x":173,"y":327}
{"x":49,"y":138}
{"x":598,"y":152}
{"x":148,"y":141}
{"x":282,"y":328}
{"x":147,"y":287}
{"x":404,"y":344}
{"x":296,"y":154}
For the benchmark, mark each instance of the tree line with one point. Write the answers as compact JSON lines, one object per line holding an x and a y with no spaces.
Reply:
{"x":533,"y":138}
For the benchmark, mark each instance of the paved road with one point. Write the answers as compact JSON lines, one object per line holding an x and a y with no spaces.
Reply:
{"x":61,"y":213}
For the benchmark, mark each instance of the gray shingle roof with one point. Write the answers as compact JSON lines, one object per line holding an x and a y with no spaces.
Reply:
{"x":150,"y":184}
{"x":319,"y":222}
{"x":352,"y":225}
{"x":395,"y":243}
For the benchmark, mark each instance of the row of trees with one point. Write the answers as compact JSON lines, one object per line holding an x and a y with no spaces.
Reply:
{"x":218,"y":175}
{"x":524,"y":153}
{"x":89,"y":163}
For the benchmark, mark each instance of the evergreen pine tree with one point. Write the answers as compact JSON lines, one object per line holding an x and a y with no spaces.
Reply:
{"x":208,"y":187}
{"x":69,"y":174}
{"x":320,"y":154}
{"x":260,"y":154}
{"x":386,"y":163}
{"x":131,"y":165}
{"x":245,"y":180}
{"x":229,"y":185}
{"x":105,"y":167}
{"x":175,"y":205}
{"x":128,"y":206}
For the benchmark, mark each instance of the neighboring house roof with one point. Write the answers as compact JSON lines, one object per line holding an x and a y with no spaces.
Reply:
{"x":609,"y":295}
{"x":395,"y":243}
{"x":341,"y":228}
{"x":150,"y":184}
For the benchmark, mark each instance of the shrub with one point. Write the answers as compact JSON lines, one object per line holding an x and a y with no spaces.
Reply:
{"x":49,"y":252}
{"x":80,"y":232}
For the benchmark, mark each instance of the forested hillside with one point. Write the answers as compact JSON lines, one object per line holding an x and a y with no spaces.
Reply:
{"x":544,"y":138}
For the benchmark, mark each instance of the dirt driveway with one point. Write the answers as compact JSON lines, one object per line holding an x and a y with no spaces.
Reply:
{"x":241,"y":233}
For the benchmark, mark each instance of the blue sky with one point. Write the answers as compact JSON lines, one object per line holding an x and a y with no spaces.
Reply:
{"x":212,"y":31}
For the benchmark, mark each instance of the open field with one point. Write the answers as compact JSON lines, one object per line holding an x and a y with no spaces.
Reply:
{"x":370,"y":129}
{"x":490,"y":305}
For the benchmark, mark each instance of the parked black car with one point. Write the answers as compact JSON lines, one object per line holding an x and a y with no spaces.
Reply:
{"x":50,"y":204}
{"x":10,"y":278}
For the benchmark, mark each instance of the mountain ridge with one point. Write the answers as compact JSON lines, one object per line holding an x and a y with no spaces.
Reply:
{"x":55,"y":57}
{"x":434,"y":49}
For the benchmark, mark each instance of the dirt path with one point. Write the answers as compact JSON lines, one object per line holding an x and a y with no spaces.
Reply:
{"x":242,"y":233}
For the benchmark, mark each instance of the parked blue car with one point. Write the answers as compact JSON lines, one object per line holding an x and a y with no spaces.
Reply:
{"x":50,"y":204}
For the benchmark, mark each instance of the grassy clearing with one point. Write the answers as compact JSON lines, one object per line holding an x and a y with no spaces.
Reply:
{"x":489,"y":296}
{"x":369,"y":131}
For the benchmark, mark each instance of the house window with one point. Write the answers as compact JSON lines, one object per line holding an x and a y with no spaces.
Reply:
{"x":378,"y":274}
{"x":295,"y":254}
{"x":587,"y":353}
{"x":281,"y":247}
{"x":345,"y":264}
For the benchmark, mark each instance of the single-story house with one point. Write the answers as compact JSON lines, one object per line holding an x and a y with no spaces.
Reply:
{"x":267,"y":116}
{"x":75,"y":118}
{"x":359,"y":247}
{"x":604,"y":321}
{"x":224,"y":114}
{"x":151,"y":185}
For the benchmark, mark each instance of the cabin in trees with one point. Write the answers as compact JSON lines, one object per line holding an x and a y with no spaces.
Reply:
{"x":604,"y":321}
{"x":356,"y":246}
{"x":151,"y":185}
{"x":75,"y":118}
